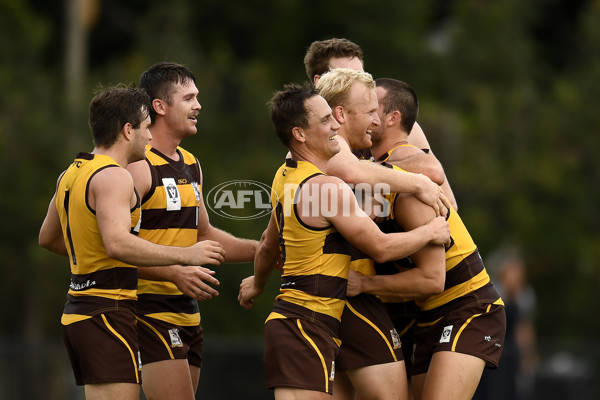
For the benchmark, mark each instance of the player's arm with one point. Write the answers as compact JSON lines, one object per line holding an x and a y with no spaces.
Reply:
{"x":236,"y":249}
{"x":51,"y":235}
{"x":111,"y":195}
{"x":268,"y":258}
{"x":427,"y":278}
{"x":358,"y":228}
{"x":347,"y":167}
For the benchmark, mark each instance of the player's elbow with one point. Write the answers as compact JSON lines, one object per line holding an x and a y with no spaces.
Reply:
{"x":434,"y":284}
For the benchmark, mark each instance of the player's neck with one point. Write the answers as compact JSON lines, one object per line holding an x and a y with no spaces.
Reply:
{"x":387,"y":143}
{"x":165,"y":142}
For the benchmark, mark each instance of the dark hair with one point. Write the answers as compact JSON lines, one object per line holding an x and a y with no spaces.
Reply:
{"x":287,"y":109}
{"x":316,"y":60}
{"x":402,"y":97}
{"x":159,"y":79}
{"x":111,"y":108}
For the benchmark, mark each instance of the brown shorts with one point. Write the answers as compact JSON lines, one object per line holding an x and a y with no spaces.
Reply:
{"x":160,"y":340}
{"x":476,"y":329}
{"x":299,"y":353}
{"x":404,"y":317}
{"x":104,"y":348}
{"x":368,"y":335}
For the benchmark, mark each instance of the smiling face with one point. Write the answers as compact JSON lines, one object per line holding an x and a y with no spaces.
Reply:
{"x":378,"y":131}
{"x":360,"y":116}
{"x":141,"y":137}
{"x":321,"y":133}
{"x":182,"y":110}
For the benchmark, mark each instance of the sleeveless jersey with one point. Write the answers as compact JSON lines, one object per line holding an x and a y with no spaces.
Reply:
{"x":170,"y":218}
{"x":98,"y":283}
{"x":465,"y":271}
{"x":316,"y":260}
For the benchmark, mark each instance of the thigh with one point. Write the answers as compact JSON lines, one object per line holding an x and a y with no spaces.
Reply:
{"x":169,"y":379}
{"x":111,"y":391}
{"x":289,"y":393}
{"x":104,"y":348}
{"x":452,"y":376}
{"x":382,"y":381}
{"x":299,"y":353}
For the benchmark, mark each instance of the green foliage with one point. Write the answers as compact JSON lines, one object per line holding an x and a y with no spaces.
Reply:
{"x":511,"y":115}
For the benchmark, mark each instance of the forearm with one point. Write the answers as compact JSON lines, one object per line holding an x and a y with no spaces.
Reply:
{"x":395,"y":246}
{"x":410,"y":283}
{"x":165,"y":273}
{"x":422,"y":163}
{"x":264,"y":263}
{"x":142,"y":253}
{"x":237,"y":249}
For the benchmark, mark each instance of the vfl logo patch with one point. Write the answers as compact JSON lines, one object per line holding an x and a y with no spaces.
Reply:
{"x":196,"y":190}
{"x":446,"y":333}
{"x":173,"y":197}
{"x":332,"y":375}
{"x":395,"y":339}
{"x":175,"y":339}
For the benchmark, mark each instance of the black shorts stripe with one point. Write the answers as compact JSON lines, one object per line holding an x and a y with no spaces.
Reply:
{"x":114,"y":278}
{"x":317,"y":285}
{"x":92,"y":305}
{"x":155,"y":303}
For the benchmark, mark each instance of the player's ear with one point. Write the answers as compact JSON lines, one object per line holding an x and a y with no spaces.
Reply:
{"x":339,"y":114}
{"x":395,"y":118}
{"x":127,"y":131}
{"x":298,"y":134}
{"x":159,"y":106}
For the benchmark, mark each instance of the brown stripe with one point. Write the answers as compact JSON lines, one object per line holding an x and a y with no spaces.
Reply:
{"x":154,"y":303}
{"x":114,"y":278}
{"x":356,"y":254}
{"x":336,"y":244}
{"x":89,"y":305}
{"x":332,"y":287}
{"x":487,"y":294}
{"x":469,"y":267}
{"x":162,"y":219}
{"x":288,"y":309}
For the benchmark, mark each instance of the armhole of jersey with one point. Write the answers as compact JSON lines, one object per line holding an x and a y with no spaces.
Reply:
{"x":312,"y":228}
{"x":153,"y":182}
{"x":87,"y":186}
{"x":137,"y":200}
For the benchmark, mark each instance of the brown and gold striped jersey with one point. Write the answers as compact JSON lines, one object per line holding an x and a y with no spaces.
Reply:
{"x":98,"y":283}
{"x":170,"y":218}
{"x":316,"y":260}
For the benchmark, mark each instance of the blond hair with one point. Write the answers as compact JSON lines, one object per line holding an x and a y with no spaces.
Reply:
{"x":335,"y":85}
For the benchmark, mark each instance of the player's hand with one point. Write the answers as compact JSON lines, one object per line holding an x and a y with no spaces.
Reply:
{"x":432,"y":194}
{"x":195,"y":281}
{"x":354,"y":283}
{"x":439,"y":230}
{"x":207,"y":252}
{"x":248,"y":292}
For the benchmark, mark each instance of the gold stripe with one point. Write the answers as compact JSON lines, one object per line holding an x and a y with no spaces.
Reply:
{"x":274,"y":315}
{"x":412,"y":322}
{"x":162,"y":339}
{"x":68,"y":319}
{"x":465,"y":325}
{"x":120,"y":294}
{"x":323,"y":305}
{"x":180,"y":319}
{"x":478,"y":281}
{"x":318,"y":353}
{"x":122,"y":339}
{"x":359,"y":315}
{"x":422,"y":324}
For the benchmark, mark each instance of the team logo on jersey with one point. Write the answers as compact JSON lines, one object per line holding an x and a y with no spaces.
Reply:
{"x":175,"y":339}
{"x":173,"y":197}
{"x":446,"y":333}
{"x":395,"y":339}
